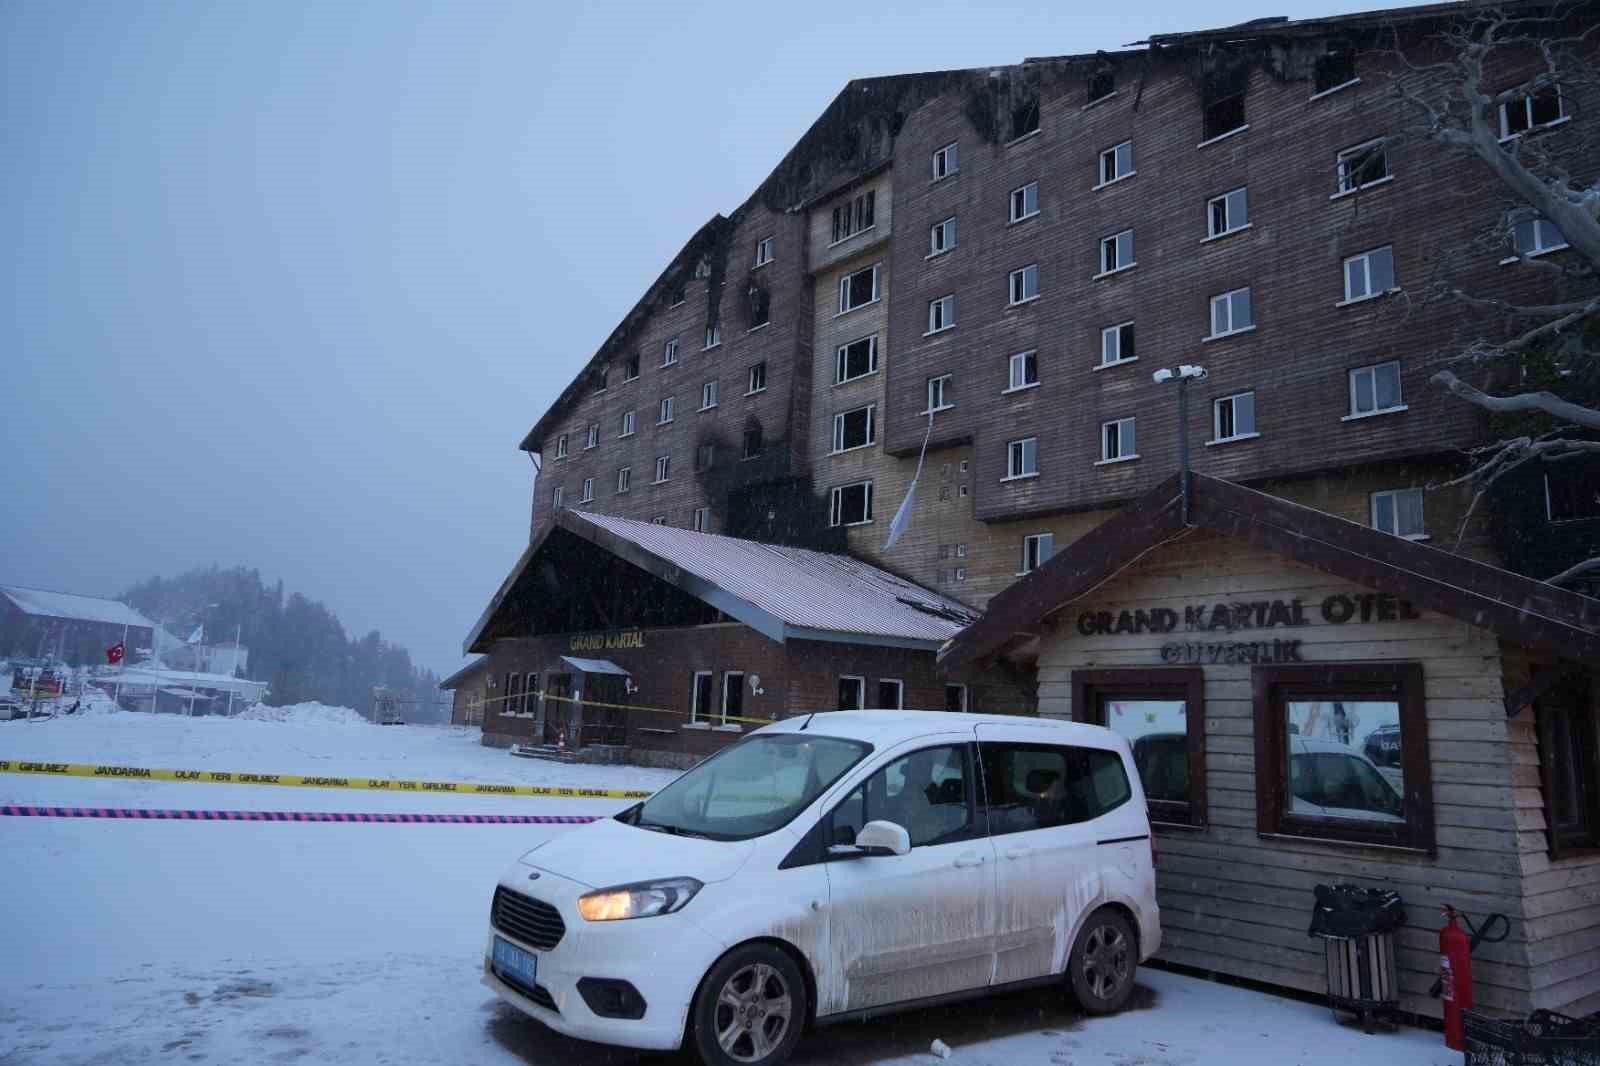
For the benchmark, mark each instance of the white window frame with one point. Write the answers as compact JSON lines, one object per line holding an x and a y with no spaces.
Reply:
{"x":960,"y":688}
{"x":713,"y":336}
{"x":1394,"y":496}
{"x":861,"y":691}
{"x":1017,"y":205}
{"x":558,"y":497}
{"x":632,"y":362}
{"x":1111,"y":336}
{"x":1345,"y":166}
{"x":1021,"y":360}
{"x":588,"y":491}
{"x":737,"y":677}
{"x":630,"y":423}
{"x":1018,"y":454}
{"x":1365,"y":259}
{"x":756,"y":370}
{"x":1121,"y":457}
{"x":764,"y":251}
{"x":944,"y":309}
{"x":1371,"y":370}
{"x":1118,"y":174}
{"x":1527,"y":104}
{"x":700,"y":520}
{"x":836,"y":504}
{"x":940,"y":383}
{"x":591,"y":437}
{"x":1541,"y":228}
{"x":899,"y":690}
{"x":844,"y":290}
{"x":669,"y":352}
{"x":1227,"y":202}
{"x":1216,"y":418}
{"x":709,"y":394}
{"x":1113,"y":244}
{"x":624,"y":479}
{"x":694,"y":695}
{"x":1226,"y":300}
{"x":946,"y":161}
{"x":944,"y":231}
{"x":561,"y":446}
{"x":665,"y":410}
{"x":1035,"y":553}
{"x":1018,"y":284}
{"x":841,"y":361}
{"x":839,"y":429}
{"x":663,"y":469}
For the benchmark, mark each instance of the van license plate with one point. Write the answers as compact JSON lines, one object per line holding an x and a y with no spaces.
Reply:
{"x":515,"y":963}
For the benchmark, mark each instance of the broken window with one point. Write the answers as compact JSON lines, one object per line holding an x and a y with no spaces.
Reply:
{"x":855,"y":429}
{"x":700,"y":701}
{"x":1334,"y":68}
{"x":851,"y":504}
{"x":1573,"y":494}
{"x":891,"y":694}
{"x":705,"y":456}
{"x":1223,"y":104}
{"x":1116,"y":252}
{"x":1102,"y":83}
{"x":676,"y":296}
{"x":856,"y":359}
{"x":1025,"y":118}
{"x":1228,"y":212}
{"x":630,"y":369}
{"x":1116,"y":344}
{"x":852,"y":697}
{"x":955,"y":697}
{"x":1365,"y":164}
{"x":758,"y":379}
{"x":858,"y":289}
{"x":854,"y":216}
{"x":602,"y":377}
{"x":1543,"y":107}
{"x":752,"y":444}
{"x":760,"y":305}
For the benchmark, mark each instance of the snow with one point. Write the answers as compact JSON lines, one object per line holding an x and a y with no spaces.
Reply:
{"x":310,"y":714}
{"x":354,"y":944}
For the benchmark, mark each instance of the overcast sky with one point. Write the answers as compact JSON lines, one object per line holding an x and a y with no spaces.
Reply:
{"x":284,"y":284}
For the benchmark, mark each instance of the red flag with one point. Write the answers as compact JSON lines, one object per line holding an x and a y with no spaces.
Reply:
{"x":115,"y":652}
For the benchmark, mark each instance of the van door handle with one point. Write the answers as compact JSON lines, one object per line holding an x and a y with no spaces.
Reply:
{"x":1018,"y":853}
{"x":968,"y":860}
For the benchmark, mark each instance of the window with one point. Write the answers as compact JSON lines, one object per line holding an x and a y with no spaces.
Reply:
{"x":1536,"y":236}
{"x":1161,"y":714}
{"x":591,"y":439}
{"x":705,"y":457}
{"x":1542,"y":108}
{"x":1101,"y":84}
{"x":851,"y":505}
{"x":561,"y":446}
{"x":758,"y":379}
{"x":1116,"y":163}
{"x":1223,"y":108}
{"x":1573,"y":495}
{"x":955,"y":697}
{"x":558,"y":498}
{"x":532,"y":696}
{"x":1365,"y":164}
{"x":891,"y":694}
{"x":666,"y":411}
{"x":1227,"y":213}
{"x":940,"y":395}
{"x":732,"y":697}
{"x":678,"y":295}
{"x":708,"y":395}
{"x":1022,"y":458}
{"x":1025,"y":201}
{"x":1116,"y":344}
{"x":700,"y":520}
{"x":1233,"y":417}
{"x":852,"y":693}
{"x":856,"y":359}
{"x":1025,"y":118}
{"x":854,"y":216}
{"x":659,"y":520}
{"x":1025,"y":284}
{"x":941,"y":313}
{"x":1041,"y":786}
{"x":713,"y":335}
{"x":1116,"y":252}
{"x":1375,"y":389}
{"x":1036,"y":551}
{"x":663,"y":468}
{"x":1569,"y":768}
{"x":929,"y":793}
{"x":855,"y":429}
{"x":1369,"y":274}
{"x":588,"y":490}
{"x":700,"y":696}
{"x":1399,"y":512}
{"x":630,"y":422}
{"x":702,"y":269}
{"x":669,"y":353}
{"x":760,"y":304}
{"x":513,"y":695}
{"x":624,"y":478}
{"x":942,"y":237}
{"x":751,"y":444}
{"x":960,"y":573}
{"x":1117,"y":441}
{"x":630,"y":369}
{"x":1024,"y":372}
{"x":1231,"y":313}
{"x":945,"y":162}
{"x":1342,"y":753}
{"x":764,"y":251}
{"x":602,"y":378}
{"x":1334,"y":68}
{"x":858,"y":289}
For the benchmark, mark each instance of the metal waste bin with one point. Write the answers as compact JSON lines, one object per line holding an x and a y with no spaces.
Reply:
{"x":1357,"y":927}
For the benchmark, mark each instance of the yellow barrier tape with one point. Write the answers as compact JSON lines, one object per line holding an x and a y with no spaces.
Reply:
{"x":622,"y":707}
{"x":382,"y":784}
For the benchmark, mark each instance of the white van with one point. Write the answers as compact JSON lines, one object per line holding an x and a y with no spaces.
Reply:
{"x":831,"y":867}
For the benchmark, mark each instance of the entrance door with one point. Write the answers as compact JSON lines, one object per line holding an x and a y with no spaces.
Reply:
{"x":907,"y":927}
{"x":558,"y":690}
{"x":605,"y":724}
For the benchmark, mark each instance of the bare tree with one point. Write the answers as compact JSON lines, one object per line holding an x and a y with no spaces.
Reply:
{"x":1501,"y":87}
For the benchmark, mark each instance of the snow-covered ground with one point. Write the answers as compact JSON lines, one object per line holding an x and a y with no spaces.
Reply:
{"x":129,"y":942}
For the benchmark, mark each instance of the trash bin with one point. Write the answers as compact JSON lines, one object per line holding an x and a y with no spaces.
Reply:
{"x":1544,"y":1039}
{"x":1357,"y":926}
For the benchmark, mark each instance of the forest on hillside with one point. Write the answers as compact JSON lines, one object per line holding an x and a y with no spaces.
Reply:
{"x":296,"y":644}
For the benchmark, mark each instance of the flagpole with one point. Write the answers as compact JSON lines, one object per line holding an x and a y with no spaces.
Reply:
{"x":122,"y":664}
{"x":233,"y":674}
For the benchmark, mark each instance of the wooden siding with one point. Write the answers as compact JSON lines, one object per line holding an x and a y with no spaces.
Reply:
{"x":1239,"y":903}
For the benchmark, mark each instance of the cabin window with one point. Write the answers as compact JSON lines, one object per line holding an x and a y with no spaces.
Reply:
{"x":1569,"y":768}
{"x":1161,"y":713}
{"x":1342,"y":753}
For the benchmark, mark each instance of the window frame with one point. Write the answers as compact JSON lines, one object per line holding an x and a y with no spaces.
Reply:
{"x":1017,"y":203}
{"x":1399,"y":682}
{"x":713,"y":336}
{"x":666,"y":410}
{"x":694,"y":697}
{"x":961,"y":688}
{"x":951,"y":158}
{"x":1226,"y":298}
{"x":1539,"y":224}
{"x":624,"y":479}
{"x":710,"y":394}
{"x":1395,"y":494}
{"x":1372,"y":369}
{"x":1017,"y":452}
{"x":841,"y":360}
{"x":1347,"y":166}
{"x":839,"y":429}
{"x":946,"y":229}
{"x":1118,"y":174}
{"x":861,"y":693}
{"x":1116,"y":331}
{"x":722,"y":707}
{"x":1029,"y":358}
{"x":700,"y":520}
{"x":588,"y":491}
{"x":1506,"y":133}
{"x":972,"y":830}
{"x":663,"y":470}
{"x":669,"y":353}
{"x":1571,"y":721}
{"x":760,"y":438}
{"x":1033,"y":551}
{"x":1226,"y":200}
{"x":591,"y":436}
{"x":764,"y":251}
{"x":1550,"y":511}
{"x":1121,"y":456}
{"x":1113,"y":242}
{"x":630,"y":423}
{"x":558,"y":498}
{"x":1366,"y":265}
{"x":900,"y":693}
{"x":561,"y":446}
{"x":1090,"y":689}
{"x":947,"y":313}
{"x":1216,"y":418}
{"x":757,"y":370}
{"x":630,"y":368}
{"x":943,"y":383}
{"x":836,"y":504}
{"x":844,"y":289}
{"x":1018,"y":281}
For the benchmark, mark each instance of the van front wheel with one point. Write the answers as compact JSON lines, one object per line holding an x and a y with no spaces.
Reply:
{"x":1102,"y":963}
{"x":750,"y":1009}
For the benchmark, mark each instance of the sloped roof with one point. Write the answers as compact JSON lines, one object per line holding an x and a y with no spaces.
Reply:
{"x":1525,"y":611}
{"x":465,"y":672}
{"x":45,"y":604}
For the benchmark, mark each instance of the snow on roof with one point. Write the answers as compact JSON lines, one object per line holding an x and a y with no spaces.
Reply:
{"x":47,"y":604}
{"x":804,"y":589}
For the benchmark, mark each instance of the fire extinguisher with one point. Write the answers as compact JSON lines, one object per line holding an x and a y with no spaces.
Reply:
{"x":1455,"y":978}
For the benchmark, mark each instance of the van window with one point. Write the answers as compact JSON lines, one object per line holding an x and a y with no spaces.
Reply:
{"x":1037,"y":786}
{"x":925,"y":792}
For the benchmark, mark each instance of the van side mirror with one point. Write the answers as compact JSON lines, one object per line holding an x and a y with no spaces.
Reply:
{"x":883,"y":838}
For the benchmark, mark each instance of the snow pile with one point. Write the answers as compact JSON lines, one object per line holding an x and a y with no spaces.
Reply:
{"x":96,"y":702}
{"x":313,"y":714}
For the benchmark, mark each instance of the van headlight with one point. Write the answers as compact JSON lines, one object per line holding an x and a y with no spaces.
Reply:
{"x":644,"y":899}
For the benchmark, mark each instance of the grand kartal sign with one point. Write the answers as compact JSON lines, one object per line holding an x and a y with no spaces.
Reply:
{"x":1236,"y":617}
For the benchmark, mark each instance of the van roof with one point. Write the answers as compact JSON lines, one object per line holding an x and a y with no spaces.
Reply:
{"x":892,"y":726}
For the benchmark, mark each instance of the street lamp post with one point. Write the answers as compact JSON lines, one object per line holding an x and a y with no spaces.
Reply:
{"x":1184,"y":374}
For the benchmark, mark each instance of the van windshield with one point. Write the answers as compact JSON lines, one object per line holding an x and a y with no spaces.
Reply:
{"x":750,"y":789}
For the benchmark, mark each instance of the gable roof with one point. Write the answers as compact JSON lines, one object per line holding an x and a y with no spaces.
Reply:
{"x":1518,"y":608}
{"x":784,"y":593}
{"x":46,"y":604}
{"x":461,"y":676}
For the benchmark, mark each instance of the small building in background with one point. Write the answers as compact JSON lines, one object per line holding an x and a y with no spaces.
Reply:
{"x":467,"y":690}
{"x":63,"y":625}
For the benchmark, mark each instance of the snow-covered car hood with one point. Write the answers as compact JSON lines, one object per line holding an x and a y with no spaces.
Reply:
{"x":607,"y":853}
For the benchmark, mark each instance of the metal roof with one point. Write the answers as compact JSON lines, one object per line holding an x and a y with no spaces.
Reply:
{"x":595,"y":666}
{"x":46,"y":604}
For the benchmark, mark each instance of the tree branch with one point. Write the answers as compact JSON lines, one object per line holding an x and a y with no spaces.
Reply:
{"x":1543,"y":402}
{"x":1574,"y":571}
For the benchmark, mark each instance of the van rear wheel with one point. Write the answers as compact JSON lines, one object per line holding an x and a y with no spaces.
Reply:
{"x":750,"y":1009}
{"x":1102,"y":963}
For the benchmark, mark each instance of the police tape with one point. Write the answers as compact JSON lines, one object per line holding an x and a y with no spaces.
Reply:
{"x":159,"y":815}
{"x":381,"y":784}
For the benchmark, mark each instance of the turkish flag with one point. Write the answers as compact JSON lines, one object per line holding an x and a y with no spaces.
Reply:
{"x":115,"y":652}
